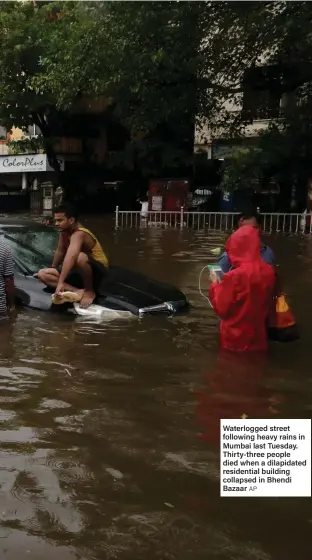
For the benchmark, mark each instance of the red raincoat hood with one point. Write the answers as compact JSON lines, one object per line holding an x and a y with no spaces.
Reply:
{"x":244,"y":246}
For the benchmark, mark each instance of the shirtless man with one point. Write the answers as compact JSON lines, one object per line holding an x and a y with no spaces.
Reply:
{"x":80,"y":252}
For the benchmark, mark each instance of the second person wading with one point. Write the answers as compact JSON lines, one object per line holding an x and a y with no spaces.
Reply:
{"x":243,"y":299}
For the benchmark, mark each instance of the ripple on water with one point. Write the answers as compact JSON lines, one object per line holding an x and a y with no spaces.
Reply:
{"x":20,"y":380}
{"x":207,"y":466}
{"x":7,"y":416}
{"x":159,"y":534}
{"x":25,"y":488}
{"x":71,"y":423}
{"x":24,"y":435}
{"x":22,"y":544}
{"x":99,"y":327}
{"x":68,"y":470}
{"x":118,"y":433}
{"x":52,"y":404}
{"x":47,"y":362}
{"x":37,"y":502}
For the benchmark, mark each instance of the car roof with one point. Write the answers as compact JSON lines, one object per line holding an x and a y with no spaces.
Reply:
{"x":20,"y":222}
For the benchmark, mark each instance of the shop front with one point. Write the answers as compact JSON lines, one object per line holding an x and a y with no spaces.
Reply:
{"x":168,"y":195}
{"x":20,"y":180}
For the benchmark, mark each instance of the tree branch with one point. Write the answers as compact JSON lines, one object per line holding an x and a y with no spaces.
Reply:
{"x":39,"y":120}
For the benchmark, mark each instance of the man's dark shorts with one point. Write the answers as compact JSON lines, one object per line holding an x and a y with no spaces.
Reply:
{"x":99,"y":273}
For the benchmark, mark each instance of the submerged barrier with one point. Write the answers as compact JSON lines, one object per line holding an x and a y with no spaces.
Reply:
{"x":221,"y":221}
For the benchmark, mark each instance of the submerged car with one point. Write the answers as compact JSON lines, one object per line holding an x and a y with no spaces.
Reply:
{"x":122,"y":291}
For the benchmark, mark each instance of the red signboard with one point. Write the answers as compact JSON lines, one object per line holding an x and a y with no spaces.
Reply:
{"x":168,"y":195}
{"x":156,"y":195}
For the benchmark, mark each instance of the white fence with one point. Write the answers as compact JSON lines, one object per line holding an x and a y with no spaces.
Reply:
{"x":222,"y":221}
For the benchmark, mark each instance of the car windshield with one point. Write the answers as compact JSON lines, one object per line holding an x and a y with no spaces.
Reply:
{"x":33,"y":248}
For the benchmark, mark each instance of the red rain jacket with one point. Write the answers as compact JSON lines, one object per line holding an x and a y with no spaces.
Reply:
{"x":243,"y":299}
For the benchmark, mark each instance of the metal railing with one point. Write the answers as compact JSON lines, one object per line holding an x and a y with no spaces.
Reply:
{"x":220,"y":221}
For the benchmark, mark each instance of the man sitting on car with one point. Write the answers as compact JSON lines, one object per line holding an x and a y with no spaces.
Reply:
{"x":78,"y":251}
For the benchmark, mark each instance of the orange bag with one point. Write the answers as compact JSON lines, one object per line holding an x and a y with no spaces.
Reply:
{"x":281,"y":322}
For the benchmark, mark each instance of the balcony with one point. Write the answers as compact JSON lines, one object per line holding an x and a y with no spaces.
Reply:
{"x":261,"y":114}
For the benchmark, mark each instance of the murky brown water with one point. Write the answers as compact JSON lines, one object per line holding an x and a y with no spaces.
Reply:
{"x":108,"y":432}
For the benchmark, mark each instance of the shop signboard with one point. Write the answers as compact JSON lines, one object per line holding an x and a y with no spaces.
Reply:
{"x":157,"y":203}
{"x":27,"y":163}
{"x":227,"y":201}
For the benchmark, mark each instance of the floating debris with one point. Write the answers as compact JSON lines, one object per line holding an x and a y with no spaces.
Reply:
{"x":114,"y":473}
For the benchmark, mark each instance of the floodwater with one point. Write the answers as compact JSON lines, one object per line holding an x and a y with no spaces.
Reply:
{"x":109,"y":432}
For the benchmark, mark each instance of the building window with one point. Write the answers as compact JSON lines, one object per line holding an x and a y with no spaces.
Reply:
{"x":3,"y":133}
{"x":33,"y":130}
{"x":262,"y":93}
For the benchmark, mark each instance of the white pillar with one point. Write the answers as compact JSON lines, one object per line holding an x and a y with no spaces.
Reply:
{"x":24,"y":182}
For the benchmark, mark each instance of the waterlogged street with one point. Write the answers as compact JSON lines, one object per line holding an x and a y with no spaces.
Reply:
{"x":109,"y":440}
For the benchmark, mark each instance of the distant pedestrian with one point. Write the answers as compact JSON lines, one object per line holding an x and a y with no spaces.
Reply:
{"x":48,"y":221}
{"x":144,"y":206}
{"x":144,"y":210}
{"x":7,"y":291}
{"x":249,"y":219}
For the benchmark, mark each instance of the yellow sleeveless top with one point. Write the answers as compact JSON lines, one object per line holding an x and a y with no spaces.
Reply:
{"x":97,"y":252}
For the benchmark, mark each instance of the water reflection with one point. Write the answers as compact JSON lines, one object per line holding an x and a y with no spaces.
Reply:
{"x":100,"y":454}
{"x":232,"y":391}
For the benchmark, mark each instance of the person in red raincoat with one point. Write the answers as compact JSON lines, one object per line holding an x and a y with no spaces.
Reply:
{"x":243,"y":298}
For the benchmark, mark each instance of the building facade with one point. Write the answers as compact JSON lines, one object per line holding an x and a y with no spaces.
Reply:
{"x":81,"y":145}
{"x":262,"y":100}
{"x":21,"y":174}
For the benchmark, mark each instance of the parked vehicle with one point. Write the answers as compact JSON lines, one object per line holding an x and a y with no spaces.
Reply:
{"x":33,"y":245}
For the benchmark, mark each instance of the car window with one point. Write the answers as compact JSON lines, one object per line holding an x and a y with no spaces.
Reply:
{"x":28,"y":258}
{"x":43,"y":240}
{"x":32,"y":248}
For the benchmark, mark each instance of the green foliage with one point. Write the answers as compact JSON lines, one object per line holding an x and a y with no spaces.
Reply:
{"x":20,"y":50}
{"x":28,"y":30}
{"x":283,"y":152}
{"x":143,"y":56}
{"x":165,"y":66}
{"x":158,"y":60}
{"x":27,"y":145}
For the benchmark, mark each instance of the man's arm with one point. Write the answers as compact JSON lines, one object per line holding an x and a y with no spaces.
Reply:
{"x":59,"y":254}
{"x":268,"y":256}
{"x":8,"y":274}
{"x":71,"y":257}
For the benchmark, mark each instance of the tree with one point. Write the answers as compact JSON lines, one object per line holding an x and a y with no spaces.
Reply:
{"x":166,"y":65}
{"x":163,"y":65}
{"x":28,"y":29}
{"x":144,"y":58}
{"x":154,"y":96}
{"x":283,"y":153}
